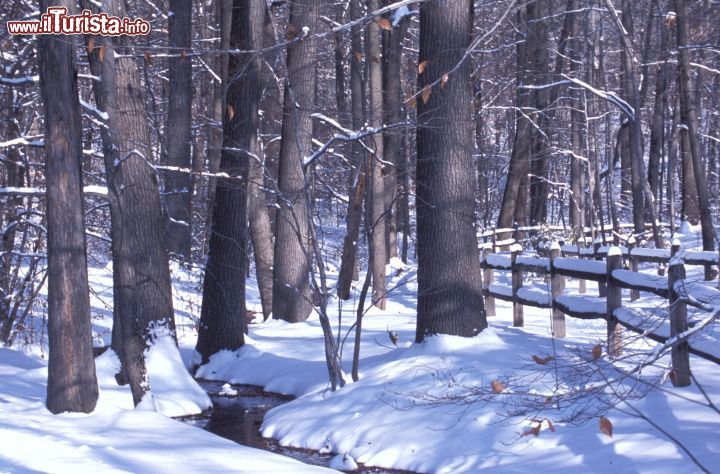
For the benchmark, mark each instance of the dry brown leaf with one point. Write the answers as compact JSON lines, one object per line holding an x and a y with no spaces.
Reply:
{"x":101,"y":53}
{"x":550,"y":426}
{"x":385,"y":24}
{"x":376,"y":60}
{"x":148,"y":57}
{"x":498,"y":386}
{"x":91,"y":45}
{"x":411,"y":101}
{"x":422,"y":66}
{"x":358,"y":57}
{"x":606,"y":426}
{"x":230,"y":112}
{"x":291,"y":31}
{"x":671,"y":376}
{"x":542,"y":361}
{"x":427,"y":90}
{"x":444,"y":80}
{"x":597,"y":352}
{"x":535,"y":430}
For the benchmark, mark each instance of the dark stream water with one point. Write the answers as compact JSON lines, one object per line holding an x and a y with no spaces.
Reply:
{"x":238,"y":418}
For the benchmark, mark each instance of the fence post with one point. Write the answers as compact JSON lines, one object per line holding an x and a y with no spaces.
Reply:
{"x":633,"y":264}
{"x":614,"y":301}
{"x":487,"y":281}
{"x":516,"y":275}
{"x":678,"y":320}
{"x":557,"y":286}
{"x":602,"y":287}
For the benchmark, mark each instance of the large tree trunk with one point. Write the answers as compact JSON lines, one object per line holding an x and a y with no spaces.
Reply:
{"x":340,"y":57}
{"x":393,"y":113}
{"x":377,"y":170}
{"x":142,"y":289}
{"x":348,"y":263}
{"x":223,"y":17}
{"x":223,"y":314}
{"x":291,"y":290}
{"x":449,"y":276}
{"x":72,"y":384}
{"x":178,"y":184}
{"x":538,"y":51}
{"x":689,"y":116}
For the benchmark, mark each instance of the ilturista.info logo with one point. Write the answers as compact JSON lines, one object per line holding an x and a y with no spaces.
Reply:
{"x":57,"y":21}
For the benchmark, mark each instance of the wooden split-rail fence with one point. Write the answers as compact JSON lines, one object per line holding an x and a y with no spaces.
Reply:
{"x":604,"y":266}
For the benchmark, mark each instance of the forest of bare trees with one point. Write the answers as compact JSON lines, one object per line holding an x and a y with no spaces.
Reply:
{"x":277,"y":140}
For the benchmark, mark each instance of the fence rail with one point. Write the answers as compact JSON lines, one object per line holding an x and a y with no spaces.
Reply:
{"x":605,"y":268}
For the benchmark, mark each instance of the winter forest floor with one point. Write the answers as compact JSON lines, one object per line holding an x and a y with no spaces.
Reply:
{"x":448,"y":405}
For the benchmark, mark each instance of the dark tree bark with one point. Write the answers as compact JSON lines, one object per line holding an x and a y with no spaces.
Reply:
{"x":223,"y":314}
{"x":72,"y":384}
{"x":449,"y":276}
{"x":393,"y":113}
{"x":340,"y":57}
{"x":142,"y":290}
{"x":354,"y":213}
{"x":689,"y":117}
{"x":178,"y":184}
{"x":538,"y":51}
{"x":291,"y":289}
{"x":223,"y":16}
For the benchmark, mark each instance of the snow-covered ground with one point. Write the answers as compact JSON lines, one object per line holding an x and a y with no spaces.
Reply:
{"x":431,"y":407}
{"x":448,"y":405}
{"x":116,"y":437}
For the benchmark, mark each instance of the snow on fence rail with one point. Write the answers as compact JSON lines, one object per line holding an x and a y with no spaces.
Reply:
{"x":611,"y":278}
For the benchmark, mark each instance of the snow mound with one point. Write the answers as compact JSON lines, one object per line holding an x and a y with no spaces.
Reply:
{"x":443,"y":344}
{"x":173,"y":388}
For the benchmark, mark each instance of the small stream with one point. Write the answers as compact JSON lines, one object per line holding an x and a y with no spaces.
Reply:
{"x":239,"y":417}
